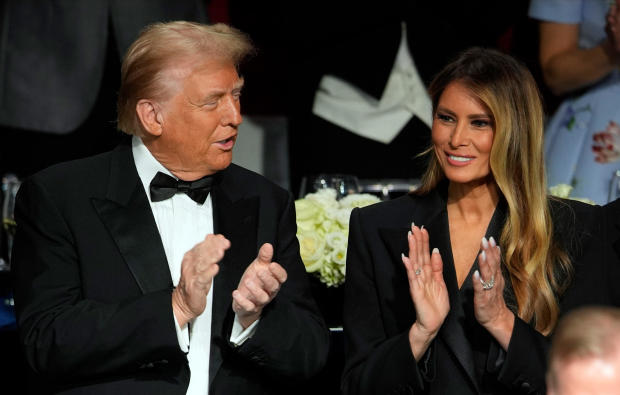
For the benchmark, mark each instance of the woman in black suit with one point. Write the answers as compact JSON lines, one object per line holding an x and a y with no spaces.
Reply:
{"x":469,"y":317}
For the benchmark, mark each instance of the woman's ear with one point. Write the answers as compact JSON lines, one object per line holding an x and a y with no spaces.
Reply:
{"x":150,"y":117}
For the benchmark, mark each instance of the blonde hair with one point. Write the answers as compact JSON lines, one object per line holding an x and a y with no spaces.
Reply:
{"x":163,"y":47}
{"x":534,"y":260}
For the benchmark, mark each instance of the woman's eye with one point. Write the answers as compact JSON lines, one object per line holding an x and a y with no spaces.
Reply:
{"x":444,"y":117}
{"x":480,"y":123}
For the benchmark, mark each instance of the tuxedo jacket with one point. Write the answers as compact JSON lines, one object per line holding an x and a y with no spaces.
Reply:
{"x":52,"y":54}
{"x":379,"y":312}
{"x":93,"y":287}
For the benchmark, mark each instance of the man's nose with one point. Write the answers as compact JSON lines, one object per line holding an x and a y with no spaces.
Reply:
{"x":232,"y":112}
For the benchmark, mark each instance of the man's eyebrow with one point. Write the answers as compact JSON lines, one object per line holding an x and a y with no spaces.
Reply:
{"x":216,"y":94}
{"x":239,"y":84}
{"x":219,"y":93}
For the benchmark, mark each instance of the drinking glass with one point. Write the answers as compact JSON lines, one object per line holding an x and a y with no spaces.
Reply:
{"x":614,"y":187}
{"x":343,"y":184}
{"x":10,"y":185}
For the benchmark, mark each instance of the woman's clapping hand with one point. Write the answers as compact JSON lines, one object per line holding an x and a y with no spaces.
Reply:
{"x":489,"y":306}
{"x":427,"y":288}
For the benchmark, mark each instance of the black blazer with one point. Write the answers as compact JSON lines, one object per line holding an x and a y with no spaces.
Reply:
{"x":379,"y":311}
{"x":93,"y":288}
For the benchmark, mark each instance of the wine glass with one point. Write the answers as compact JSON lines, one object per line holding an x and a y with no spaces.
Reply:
{"x":10,"y":185}
{"x":614,"y":187}
{"x":343,"y":184}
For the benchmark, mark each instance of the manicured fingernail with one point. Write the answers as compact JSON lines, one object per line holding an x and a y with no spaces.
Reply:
{"x":412,"y":224}
{"x":492,"y":242}
{"x":485,"y":243}
{"x":435,"y":250}
{"x":408,"y":233}
{"x":476,"y":275}
{"x":483,"y":256}
{"x":402,"y":255}
{"x":421,"y":227}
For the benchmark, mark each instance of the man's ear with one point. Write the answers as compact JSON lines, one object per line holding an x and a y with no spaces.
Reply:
{"x":150,"y":116}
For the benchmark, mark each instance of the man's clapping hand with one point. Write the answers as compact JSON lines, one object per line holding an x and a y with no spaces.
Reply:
{"x":198,"y":268}
{"x":259,"y":284}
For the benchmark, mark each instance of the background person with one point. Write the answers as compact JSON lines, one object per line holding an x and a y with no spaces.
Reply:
{"x":62,"y":58}
{"x":160,"y":267}
{"x":442,"y":309}
{"x":579,"y":56}
{"x":585,"y":353}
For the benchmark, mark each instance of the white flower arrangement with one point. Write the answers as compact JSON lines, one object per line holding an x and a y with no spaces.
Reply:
{"x":323,"y":231}
{"x":564,"y":190}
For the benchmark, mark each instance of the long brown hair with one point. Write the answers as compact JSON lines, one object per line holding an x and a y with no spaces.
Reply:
{"x":529,"y":250}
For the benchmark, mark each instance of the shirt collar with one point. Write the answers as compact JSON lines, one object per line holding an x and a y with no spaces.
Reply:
{"x":146,"y":164}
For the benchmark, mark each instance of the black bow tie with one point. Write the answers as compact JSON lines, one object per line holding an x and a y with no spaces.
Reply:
{"x":164,"y":187}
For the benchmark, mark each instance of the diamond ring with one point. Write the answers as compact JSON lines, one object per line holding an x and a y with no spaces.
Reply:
{"x":487,"y":285}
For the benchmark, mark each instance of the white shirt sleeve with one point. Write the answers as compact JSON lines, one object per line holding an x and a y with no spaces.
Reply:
{"x":182,"y":335}
{"x":238,"y":336}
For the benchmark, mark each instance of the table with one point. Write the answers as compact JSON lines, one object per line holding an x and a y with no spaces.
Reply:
{"x":388,"y":188}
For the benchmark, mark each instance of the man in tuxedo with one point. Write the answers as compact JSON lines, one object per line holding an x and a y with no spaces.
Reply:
{"x":585,"y":353}
{"x":160,"y":267}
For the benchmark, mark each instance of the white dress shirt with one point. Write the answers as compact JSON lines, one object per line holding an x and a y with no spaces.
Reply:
{"x":176,"y":220}
{"x":382,"y":120}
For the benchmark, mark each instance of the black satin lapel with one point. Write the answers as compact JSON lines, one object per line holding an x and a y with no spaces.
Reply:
{"x":133,"y":228}
{"x":497,"y":221}
{"x":237,"y":221}
{"x":452,"y":331}
{"x":439,"y":237}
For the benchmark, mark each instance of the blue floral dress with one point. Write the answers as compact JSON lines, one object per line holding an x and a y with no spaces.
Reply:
{"x":582,"y":139}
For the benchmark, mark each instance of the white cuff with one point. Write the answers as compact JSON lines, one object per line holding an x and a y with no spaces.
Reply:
{"x":182,"y":335}
{"x":239,"y":335}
